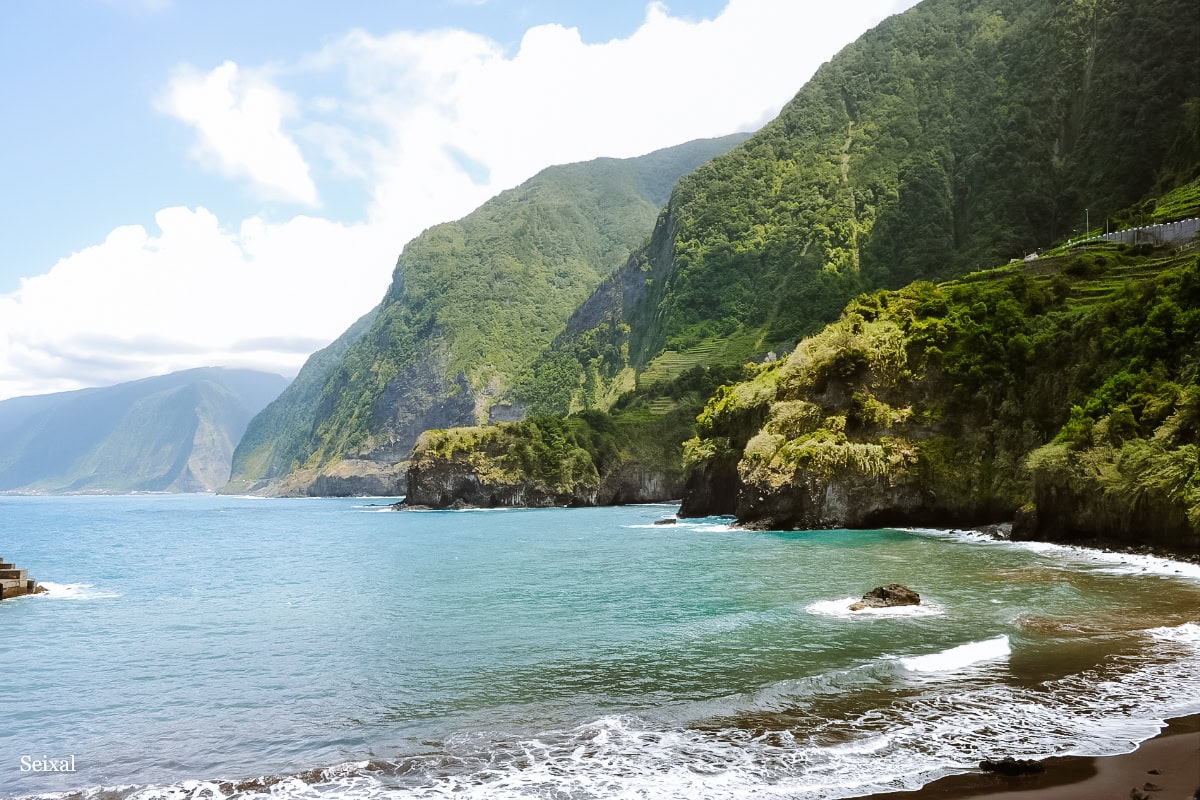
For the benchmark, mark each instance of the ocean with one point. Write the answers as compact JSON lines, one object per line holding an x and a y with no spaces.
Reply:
{"x":220,"y":647}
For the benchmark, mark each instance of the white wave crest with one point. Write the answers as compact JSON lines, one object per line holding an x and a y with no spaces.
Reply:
{"x":960,"y":657}
{"x":75,"y":591}
{"x":1187,"y":633}
{"x":698,"y":527}
{"x":1108,"y":561}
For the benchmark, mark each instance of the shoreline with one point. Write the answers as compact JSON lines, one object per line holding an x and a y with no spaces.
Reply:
{"x":1166,"y":766}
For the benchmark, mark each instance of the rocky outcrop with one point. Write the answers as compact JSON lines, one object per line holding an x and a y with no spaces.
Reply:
{"x":631,"y":482}
{"x":456,"y":483}
{"x":1144,"y":494}
{"x":496,"y":467}
{"x":894,"y":594}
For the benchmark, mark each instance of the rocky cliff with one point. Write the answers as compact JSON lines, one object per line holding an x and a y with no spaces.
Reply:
{"x":1065,"y":389}
{"x":471,"y":305}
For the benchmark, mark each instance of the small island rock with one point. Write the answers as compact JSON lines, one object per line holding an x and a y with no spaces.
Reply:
{"x":894,"y":594}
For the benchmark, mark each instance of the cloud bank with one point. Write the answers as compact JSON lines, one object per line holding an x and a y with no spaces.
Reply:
{"x":428,"y":125}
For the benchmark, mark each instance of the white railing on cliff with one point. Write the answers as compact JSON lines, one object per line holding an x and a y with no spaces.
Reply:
{"x":1165,"y":233}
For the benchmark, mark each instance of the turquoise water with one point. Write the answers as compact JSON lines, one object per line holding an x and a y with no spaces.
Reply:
{"x":330,"y":648}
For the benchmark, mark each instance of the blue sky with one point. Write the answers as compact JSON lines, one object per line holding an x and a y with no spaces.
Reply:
{"x":193,"y":183}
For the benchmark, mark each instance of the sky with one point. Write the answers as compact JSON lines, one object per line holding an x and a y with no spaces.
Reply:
{"x":224,"y":183}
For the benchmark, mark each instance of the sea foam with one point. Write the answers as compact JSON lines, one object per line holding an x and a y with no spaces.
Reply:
{"x":841,"y":609}
{"x":1108,"y":561}
{"x":75,"y":591}
{"x":910,"y":739}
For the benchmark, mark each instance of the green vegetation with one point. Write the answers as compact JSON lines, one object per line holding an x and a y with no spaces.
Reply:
{"x":589,"y":457}
{"x":1183,"y":202}
{"x":951,"y":137}
{"x":938,"y":401}
{"x":471,"y":304}
{"x":276,"y":440}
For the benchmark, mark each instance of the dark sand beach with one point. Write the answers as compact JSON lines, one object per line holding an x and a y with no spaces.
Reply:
{"x":1166,"y":767}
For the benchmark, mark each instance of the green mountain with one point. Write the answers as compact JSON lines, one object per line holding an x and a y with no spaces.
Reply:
{"x":951,"y":137}
{"x":955,"y":136}
{"x":277,"y":439}
{"x":172,"y":433}
{"x":471,"y":305}
{"x":1063,"y":391}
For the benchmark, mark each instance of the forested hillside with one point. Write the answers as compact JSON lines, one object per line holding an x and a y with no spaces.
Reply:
{"x":1066,"y":388}
{"x":471,"y":305}
{"x":951,"y":137}
{"x":277,"y":439}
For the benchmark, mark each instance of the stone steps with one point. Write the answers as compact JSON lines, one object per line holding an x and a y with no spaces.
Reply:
{"x":15,"y":582}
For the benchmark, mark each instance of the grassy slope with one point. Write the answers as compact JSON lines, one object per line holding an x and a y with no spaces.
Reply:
{"x":951,"y":137}
{"x":473,"y":301}
{"x":1073,"y":380}
{"x":276,"y":439}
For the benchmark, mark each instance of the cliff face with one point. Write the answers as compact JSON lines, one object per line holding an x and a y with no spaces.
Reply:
{"x":276,"y":439}
{"x":951,"y":137}
{"x":1065,"y":389}
{"x":470,"y":306}
{"x":459,"y":483}
{"x":591,"y":459}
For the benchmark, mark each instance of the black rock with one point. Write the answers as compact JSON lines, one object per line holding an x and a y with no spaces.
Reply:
{"x":1013,"y":766}
{"x":894,"y":594}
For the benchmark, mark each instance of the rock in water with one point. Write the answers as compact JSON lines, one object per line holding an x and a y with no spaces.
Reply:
{"x":894,"y":594}
{"x":665,"y":521}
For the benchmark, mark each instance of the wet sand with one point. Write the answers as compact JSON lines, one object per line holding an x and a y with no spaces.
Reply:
{"x":1166,"y":767}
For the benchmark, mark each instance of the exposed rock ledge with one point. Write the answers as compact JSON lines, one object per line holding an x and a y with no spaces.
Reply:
{"x":442,"y":483}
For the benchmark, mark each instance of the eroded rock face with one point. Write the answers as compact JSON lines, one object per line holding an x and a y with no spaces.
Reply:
{"x":894,"y":594}
{"x":636,"y":483}
{"x":452,"y":483}
{"x":455,"y":482}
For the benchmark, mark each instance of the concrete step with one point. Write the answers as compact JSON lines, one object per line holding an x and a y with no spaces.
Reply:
{"x":6,"y":565}
{"x":19,"y":574}
{"x":19,"y":590}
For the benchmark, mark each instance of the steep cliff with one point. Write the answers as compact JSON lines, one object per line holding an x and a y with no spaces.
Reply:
{"x":471,"y":305}
{"x":276,"y":440}
{"x":954,"y":136}
{"x":951,"y":137}
{"x":1066,"y":387}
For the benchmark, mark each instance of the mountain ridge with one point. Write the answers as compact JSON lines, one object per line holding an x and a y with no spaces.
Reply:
{"x":173,"y":432}
{"x":470,"y":304}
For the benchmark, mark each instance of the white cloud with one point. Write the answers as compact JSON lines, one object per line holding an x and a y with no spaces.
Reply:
{"x":190,"y":295}
{"x":238,"y":118}
{"x":401,"y":113}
